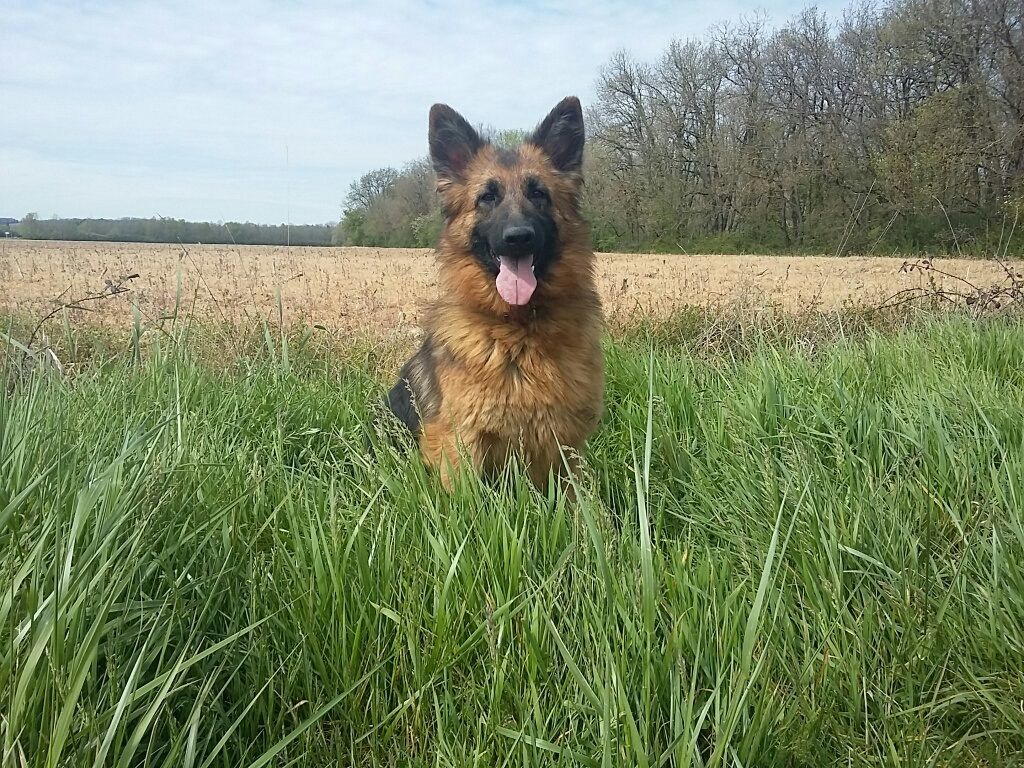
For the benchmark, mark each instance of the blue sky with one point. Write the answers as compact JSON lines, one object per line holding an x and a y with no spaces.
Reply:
{"x":249,"y":111}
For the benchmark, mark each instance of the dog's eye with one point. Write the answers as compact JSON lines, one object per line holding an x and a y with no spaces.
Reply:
{"x":537,"y":194}
{"x":487,"y":197}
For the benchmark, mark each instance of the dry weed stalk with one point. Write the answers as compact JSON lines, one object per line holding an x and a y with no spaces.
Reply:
{"x":31,"y":355}
{"x":110,"y":288}
{"x":1003,"y":295}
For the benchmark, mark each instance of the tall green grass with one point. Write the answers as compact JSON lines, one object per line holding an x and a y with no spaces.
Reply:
{"x":783,"y":557}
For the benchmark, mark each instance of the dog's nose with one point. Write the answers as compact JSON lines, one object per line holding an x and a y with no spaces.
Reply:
{"x":518,"y":236}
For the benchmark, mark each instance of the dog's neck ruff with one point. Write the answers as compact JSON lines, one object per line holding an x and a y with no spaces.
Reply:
{"x":520,"y":314}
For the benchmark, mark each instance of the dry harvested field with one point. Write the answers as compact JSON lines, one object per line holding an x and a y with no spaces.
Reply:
{"x":354,"y":289}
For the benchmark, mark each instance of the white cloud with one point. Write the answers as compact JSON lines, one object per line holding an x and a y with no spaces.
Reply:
{"x":186,"y":108}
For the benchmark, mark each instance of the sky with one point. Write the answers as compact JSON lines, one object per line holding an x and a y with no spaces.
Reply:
{"x":267,"y":111}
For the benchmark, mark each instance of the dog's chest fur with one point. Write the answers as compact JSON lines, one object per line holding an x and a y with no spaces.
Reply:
{"x":519,"y":386}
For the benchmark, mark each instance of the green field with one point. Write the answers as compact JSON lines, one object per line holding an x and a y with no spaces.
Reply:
{"x":793,"y":548}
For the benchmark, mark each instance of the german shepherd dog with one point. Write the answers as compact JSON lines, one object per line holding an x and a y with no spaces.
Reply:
{"x":511,"y":360}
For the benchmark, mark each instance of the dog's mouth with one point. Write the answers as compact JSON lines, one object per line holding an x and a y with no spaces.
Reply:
{"x":516,"y":280}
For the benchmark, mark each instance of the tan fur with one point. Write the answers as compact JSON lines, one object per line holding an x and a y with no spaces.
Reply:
{"x":515,"y":380}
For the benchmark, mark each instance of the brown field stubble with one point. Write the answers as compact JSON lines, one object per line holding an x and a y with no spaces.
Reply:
{"x":373,"y":290}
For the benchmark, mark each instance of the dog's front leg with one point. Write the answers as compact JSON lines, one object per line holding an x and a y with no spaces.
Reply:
{"x":447,"y":451}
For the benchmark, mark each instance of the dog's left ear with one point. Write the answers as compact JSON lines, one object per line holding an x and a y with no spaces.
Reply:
{"x":560,"y":135}
{"x":453,"y":142}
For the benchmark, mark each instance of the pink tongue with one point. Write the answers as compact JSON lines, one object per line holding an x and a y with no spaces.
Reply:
{"x":516,"y":281}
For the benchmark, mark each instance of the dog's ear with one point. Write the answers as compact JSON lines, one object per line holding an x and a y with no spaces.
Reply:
{"x":560,"y":135}
{"x":453,"y":142}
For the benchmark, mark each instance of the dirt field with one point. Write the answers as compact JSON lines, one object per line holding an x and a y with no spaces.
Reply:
{"x":373,"y":289}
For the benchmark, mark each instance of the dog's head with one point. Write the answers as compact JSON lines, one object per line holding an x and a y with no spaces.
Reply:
{"x":505,"y":207}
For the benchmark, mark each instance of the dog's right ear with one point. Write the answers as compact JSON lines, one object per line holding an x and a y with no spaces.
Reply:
{"x":453,"y":142}
{"x":560,"y":135}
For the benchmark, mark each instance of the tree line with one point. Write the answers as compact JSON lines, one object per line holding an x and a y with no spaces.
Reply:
{"x":165,"y":230}
{"x":897,"y":127}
